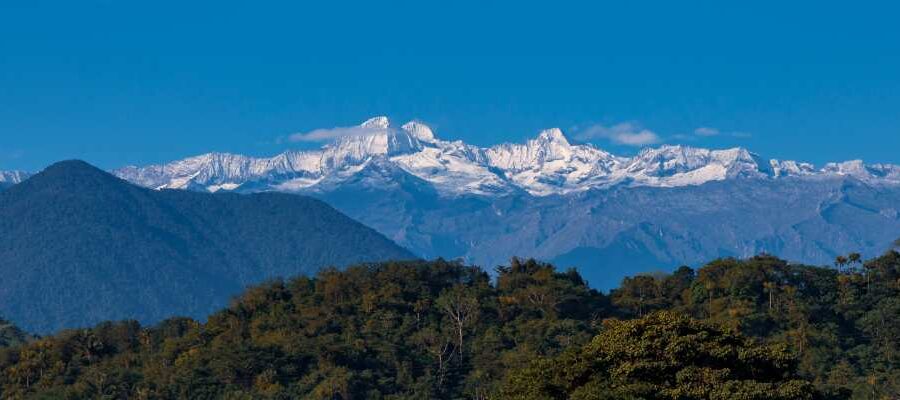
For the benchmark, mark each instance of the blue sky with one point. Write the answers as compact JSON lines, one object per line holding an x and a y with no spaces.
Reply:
{"x":119,"y":83}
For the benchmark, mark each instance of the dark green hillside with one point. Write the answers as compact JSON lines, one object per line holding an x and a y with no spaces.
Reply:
{"x":80,"y":246}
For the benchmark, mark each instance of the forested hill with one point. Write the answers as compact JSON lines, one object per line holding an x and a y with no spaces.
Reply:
{"x":80,"y":246}
{"x":753,"y":329}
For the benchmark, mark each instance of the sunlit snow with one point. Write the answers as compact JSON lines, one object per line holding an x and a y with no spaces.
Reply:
{"x":546,"y":165}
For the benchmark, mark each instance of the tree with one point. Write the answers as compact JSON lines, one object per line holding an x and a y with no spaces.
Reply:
{"x":439,"y":346}
{"x":663,"y":356}
{"x":770,"y":288}
{"x":639,"y":294}
{"x":840,"y":262}
{"x":869,"y":269}
{"x":460,"y":304}
{"x":854,"y":259}
{"x":379,"y":331}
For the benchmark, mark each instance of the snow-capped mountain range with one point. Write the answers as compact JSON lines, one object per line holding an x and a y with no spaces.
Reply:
{"x":568,"y":203}
{"x":546,"y":165}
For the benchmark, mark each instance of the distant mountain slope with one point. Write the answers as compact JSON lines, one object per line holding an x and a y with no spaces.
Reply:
{"x":609,"y":234}
{"x":80,"y":246}
{"x":570,"y":203}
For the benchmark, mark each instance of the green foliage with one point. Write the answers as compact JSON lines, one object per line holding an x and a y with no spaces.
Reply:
{"x":842,"y":325}
{"x":753,"y":329}
{"x":410,"y":330}
{"x":663,"y":356}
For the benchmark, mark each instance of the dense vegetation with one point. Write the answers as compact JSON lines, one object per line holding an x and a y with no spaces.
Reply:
{"x":843,"y":324}
{"x":11,"y":335}
{"x":755,"y":329}
{"x":664,"y":356}
{"x":80,"y":246}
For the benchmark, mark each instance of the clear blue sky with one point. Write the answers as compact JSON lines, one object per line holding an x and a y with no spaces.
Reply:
{"x":124,"y":82}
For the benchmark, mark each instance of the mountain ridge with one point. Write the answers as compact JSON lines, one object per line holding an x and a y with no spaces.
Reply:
{"x":572,"y":204}
{"x":546,"y":165}
{"x":81,"y":246}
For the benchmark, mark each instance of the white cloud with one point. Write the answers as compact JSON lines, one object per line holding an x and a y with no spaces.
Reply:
{"x":706,"y":131}
{"x":625,"y":133}
{"x":327,"y":135}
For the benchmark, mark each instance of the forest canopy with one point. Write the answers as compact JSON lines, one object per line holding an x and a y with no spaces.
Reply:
{"x":756,"y":328}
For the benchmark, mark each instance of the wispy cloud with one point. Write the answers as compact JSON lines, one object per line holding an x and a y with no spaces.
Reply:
{"x":625,"y":133}
{"x":706,"y":131}
{"x":327,"y":135}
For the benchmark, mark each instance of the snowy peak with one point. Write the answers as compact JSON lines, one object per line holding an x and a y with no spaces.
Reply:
{"x":683,"y":165}
{"x":13,"y":177}
{"x":553,"y":135}
{"x":854,"y":168}
{"x":885,"y":171}
{"x":380,"y":122}
{"x":419,"y":131}
{"x":864,"y":172}
{"x":377,"y":138}
{"x":668,"y":160}
{"x":550,"y":145}
{"x":791,"y":168}
{"x":208,"y":170}
{"x":671,"y":160}
{"x":386,"y":142}
{"x":548,"y":164}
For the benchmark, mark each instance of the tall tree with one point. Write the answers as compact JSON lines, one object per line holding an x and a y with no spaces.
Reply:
{"x":840,"y":262}
{"x":460,"y":304}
